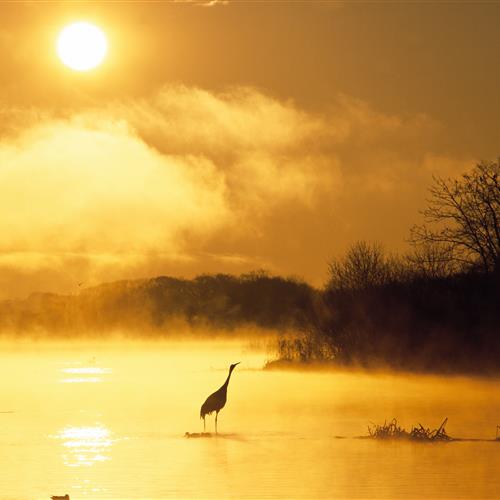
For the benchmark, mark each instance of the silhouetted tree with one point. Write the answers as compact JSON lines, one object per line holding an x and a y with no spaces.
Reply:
{"x":364,"y":265}
{"x":431,"y":260}
{"x":463,"y":218}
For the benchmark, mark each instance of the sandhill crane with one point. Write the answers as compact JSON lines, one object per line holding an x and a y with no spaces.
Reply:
{"x":216,"y":401}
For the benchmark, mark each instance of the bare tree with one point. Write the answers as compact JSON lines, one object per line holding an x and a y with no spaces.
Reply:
{"x":431,"y":260}
{"x":363,"y":266}
{"x":462,"y":218}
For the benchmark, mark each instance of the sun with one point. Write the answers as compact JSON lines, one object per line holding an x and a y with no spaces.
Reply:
{"x":82,"y":46}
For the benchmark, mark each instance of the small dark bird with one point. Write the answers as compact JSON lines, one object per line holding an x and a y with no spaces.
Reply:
{"x":56,"y":497}
{"x":216,"y":401}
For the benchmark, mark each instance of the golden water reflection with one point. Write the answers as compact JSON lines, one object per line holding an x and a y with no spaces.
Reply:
{"x":85,"y":446}
{"x":84,"y":374}
{"x":123,"y":438}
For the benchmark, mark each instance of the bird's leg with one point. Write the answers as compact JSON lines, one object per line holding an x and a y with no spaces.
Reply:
{"x":204,"y":425}
{"x":216,"y":413}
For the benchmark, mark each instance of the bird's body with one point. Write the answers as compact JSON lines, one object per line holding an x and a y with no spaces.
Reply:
{"x":216,"y":401}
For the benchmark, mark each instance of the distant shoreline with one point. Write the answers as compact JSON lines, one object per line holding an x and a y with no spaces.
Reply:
{"x":332,"y":366}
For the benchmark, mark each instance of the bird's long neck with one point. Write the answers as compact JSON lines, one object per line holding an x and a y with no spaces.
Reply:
{"x":226,"y":383}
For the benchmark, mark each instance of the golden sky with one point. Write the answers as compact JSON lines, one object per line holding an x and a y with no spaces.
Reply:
{"x":230,"y":136}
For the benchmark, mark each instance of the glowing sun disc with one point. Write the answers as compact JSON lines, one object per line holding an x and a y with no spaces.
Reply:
{"x":82,"y":46}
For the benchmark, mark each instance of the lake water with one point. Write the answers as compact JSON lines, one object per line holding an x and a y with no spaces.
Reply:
{"x":108,"y":421}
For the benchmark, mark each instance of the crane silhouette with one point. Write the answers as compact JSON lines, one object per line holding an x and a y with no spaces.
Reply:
{"x":216,"y":401}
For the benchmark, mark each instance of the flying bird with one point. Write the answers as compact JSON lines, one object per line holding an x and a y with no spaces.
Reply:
{"x":216,"y":401}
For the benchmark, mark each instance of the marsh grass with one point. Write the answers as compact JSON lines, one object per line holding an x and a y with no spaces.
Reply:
{"x":392,"y":430}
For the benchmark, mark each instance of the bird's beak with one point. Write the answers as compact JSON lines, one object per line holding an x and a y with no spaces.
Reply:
{"x":237,"y":363}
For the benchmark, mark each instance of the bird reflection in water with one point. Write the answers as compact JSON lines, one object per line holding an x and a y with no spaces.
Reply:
{"x":85,"y":445}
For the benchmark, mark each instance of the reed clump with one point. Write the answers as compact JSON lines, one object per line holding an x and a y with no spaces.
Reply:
{"x":393,"y":430}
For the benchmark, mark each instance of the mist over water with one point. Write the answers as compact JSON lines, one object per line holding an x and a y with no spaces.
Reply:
{"x":107,"y":420}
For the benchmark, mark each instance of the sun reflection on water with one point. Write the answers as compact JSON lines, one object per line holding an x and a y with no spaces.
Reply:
{"x":85,"y":446}
{"x":85,"y":374}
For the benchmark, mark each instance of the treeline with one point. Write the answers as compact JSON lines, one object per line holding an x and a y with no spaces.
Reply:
{"x":156,"y":307}
{"x":386,"y":312}
{"x":436,"y":308}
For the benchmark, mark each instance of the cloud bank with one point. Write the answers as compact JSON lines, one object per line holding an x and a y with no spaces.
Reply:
{"x":189,"y":181}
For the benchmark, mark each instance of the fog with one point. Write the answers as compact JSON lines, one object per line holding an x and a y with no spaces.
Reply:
{"x":107,"y":420}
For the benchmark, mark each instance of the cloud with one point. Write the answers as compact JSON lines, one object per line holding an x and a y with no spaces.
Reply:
{"x":190,"y":180}
{"x":204,"y":3}
{"x":67,"y":187}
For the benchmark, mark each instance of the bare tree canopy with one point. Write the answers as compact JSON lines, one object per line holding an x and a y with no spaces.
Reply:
{"x":431,"y":260}
{"x":363,"y":266}
{"x":462,"y":218}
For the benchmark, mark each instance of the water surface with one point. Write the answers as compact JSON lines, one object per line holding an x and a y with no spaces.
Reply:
{"x":107,"y":421}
